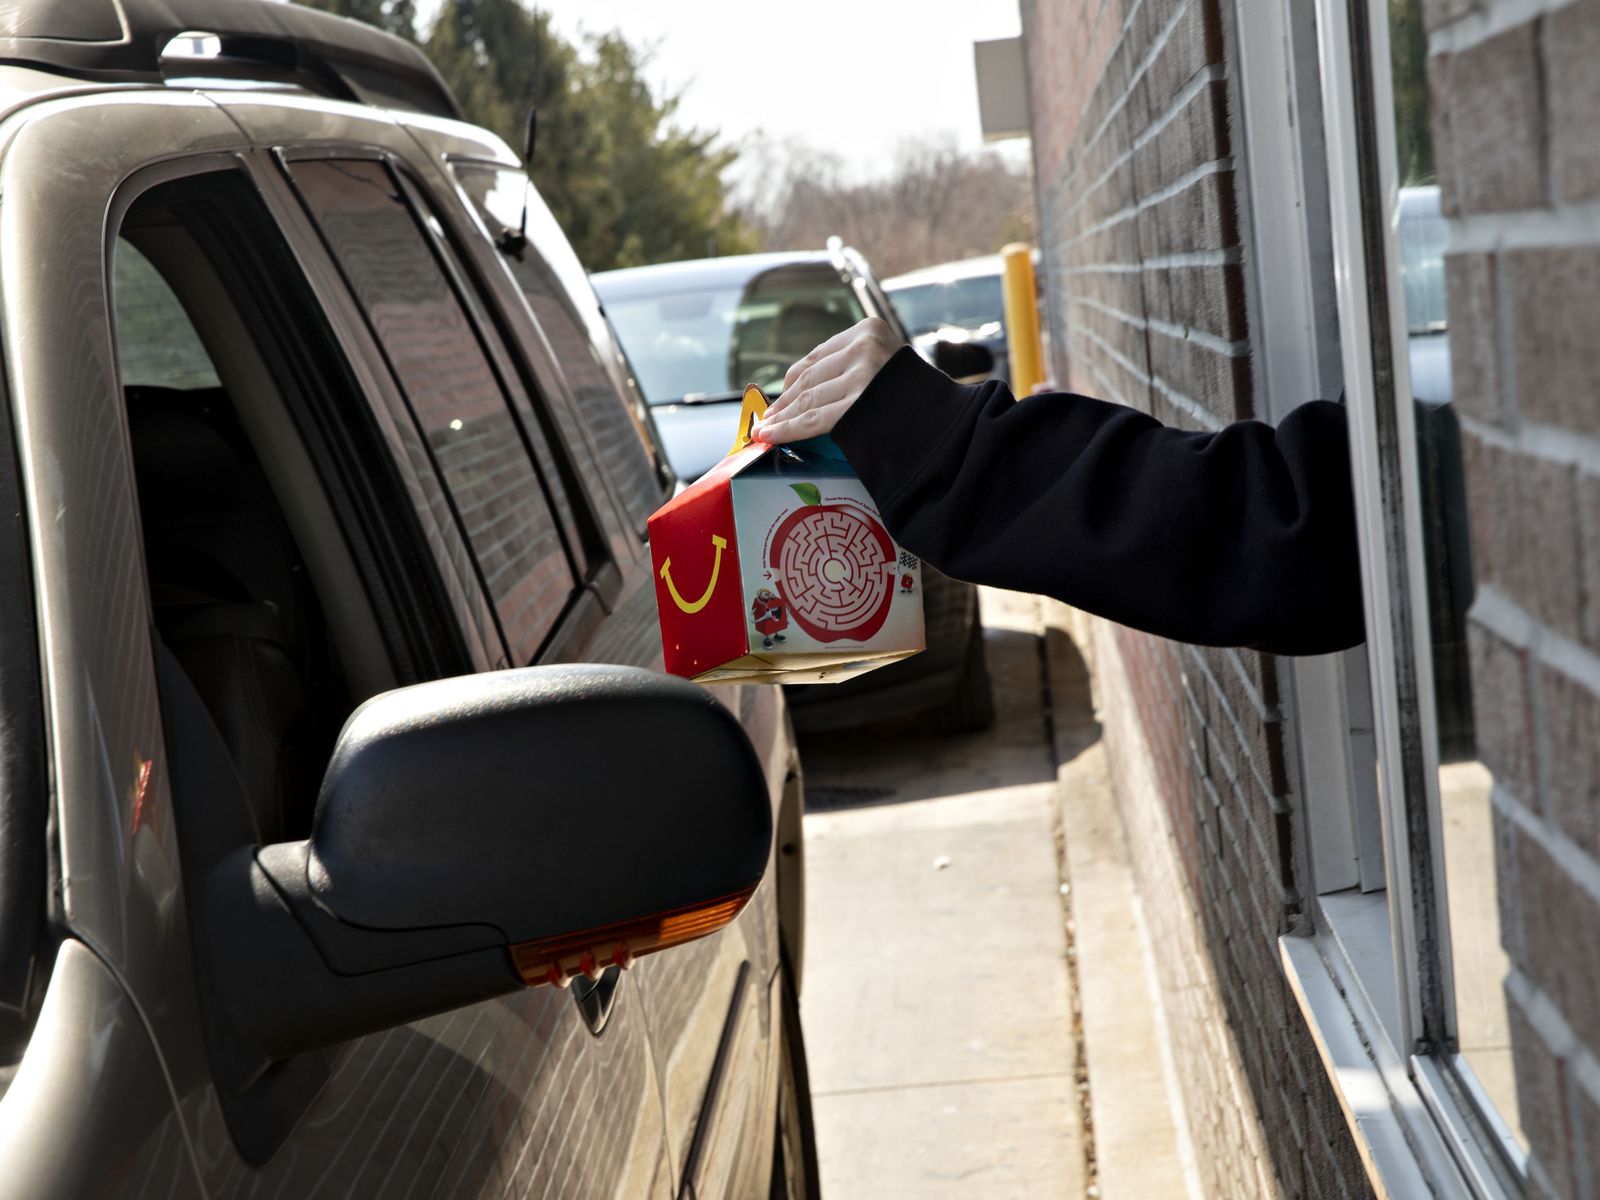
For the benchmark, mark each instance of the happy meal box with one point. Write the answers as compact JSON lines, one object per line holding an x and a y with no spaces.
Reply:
{"x":774,"y":567}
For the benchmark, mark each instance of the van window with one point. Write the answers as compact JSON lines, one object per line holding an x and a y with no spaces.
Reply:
{"x":478,"y":450}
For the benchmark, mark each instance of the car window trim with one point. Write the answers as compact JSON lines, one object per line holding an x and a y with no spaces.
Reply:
{"x":509,"y":353}
{"x":472,"y":305}
{"x":637,"y":531}
{"x":464,"y":605}
{"x":583,"y":540}
{"x":500,"y":344}
{"x":418,"y":649}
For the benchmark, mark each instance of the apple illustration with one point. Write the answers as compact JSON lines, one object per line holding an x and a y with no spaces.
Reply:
{"x":835,"y":567}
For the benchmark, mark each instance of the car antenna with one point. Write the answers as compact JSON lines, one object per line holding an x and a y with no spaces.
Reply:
{"x":515,"y":241}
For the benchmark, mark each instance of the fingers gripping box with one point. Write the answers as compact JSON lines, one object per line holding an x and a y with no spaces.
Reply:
{"x":774,"y":567}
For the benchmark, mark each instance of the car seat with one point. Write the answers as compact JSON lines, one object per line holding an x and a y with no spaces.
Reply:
{"x":800,"y":328}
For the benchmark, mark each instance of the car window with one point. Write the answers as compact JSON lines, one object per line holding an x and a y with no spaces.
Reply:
{"x":455,"y":396}
{"x":564,"y":304}
{"x":969,"y":303}
{"x":157,"y":346}
{"x":693,"y":343}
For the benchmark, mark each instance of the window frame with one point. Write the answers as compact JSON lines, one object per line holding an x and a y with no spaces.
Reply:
{"x":500,"y":279}
{"x":1427,"y":1124}
{"x":1369,"y":964}
{"x":588,"y":558}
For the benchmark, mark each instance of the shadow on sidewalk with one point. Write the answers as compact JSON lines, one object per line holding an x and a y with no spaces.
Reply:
{"x":897,"y":762}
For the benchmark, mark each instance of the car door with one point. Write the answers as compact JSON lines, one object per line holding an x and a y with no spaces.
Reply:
{"x":709,"y":1006}
{"x":531,"y":1093}
{"x":514,"y":1093}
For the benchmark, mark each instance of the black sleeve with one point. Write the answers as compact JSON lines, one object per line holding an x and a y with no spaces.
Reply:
{"x":1243,"y":537}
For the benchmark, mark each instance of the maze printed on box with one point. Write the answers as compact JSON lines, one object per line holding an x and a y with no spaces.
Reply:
{"x":835,"y":566}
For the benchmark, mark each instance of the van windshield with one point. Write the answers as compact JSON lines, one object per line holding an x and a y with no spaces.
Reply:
{"x":691,"y":344}
{"x":969,"y":303}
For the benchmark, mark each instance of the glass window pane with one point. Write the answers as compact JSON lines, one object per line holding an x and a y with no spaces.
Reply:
{"x":1478,"y":963}
{"x":453,"y":392}
{"x":563,"y":302}
{"x":697,"y":342}
{"x":156,"y":344}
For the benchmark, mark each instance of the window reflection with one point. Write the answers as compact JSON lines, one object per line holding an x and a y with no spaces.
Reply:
{"x":1478,"y":963}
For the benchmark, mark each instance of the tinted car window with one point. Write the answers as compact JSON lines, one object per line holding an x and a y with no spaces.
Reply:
{"x":695,"y":343}
{"x":453,"y":392}
{"x":564,"y":304}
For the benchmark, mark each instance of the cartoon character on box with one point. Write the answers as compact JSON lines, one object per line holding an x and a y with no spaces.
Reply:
{"x":769,"y":617}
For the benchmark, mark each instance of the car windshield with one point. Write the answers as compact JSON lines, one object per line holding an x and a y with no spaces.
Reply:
{"x":969,"y":303}
{"x":703,"y":343}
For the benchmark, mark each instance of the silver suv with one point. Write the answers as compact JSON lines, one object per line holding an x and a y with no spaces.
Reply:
{"x":322,"y":868}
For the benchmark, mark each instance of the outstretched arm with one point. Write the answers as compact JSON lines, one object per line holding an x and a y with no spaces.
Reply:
{"x":1243,"y":537}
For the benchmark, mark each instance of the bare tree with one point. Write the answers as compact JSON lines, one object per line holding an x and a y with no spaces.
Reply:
{"x":936,"y":202}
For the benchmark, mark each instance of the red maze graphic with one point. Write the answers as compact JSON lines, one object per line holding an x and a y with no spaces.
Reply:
{"x":835,"y":568}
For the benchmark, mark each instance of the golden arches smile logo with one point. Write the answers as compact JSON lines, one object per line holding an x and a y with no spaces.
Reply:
{"x":694,"y":606}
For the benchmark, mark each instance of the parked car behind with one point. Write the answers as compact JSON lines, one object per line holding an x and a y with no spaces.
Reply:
{"x":335,"y":727}
{"x":955,"y":302}
{"x":696,"y":333}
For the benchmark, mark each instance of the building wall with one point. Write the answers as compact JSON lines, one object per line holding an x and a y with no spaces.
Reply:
{"x":1140,"y":233}
{"x":1516,"y":107}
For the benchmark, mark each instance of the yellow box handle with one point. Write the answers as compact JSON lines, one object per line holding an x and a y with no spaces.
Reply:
{"x":755,"y":405}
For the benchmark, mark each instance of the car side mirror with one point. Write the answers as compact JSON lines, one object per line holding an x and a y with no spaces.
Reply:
{"x":962,"y":360}
{"x":478,"y":835}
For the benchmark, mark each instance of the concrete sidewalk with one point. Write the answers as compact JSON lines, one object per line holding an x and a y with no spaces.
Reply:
{"x":950,"y":1037}
{"x":936,"y":1001}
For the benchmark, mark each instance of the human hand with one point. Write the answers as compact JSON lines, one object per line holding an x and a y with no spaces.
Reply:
{"x":820,"y":388}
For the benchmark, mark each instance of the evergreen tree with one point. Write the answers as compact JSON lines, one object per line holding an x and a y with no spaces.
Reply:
{"x":396,"y":16}
{"x":627,"y":184}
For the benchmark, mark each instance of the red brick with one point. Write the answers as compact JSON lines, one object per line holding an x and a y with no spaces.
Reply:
{"x":1549,"y":573}
{"x":1490,"y":507}
{"x":1574,"y":88}
{"x":1572,"y":781}
{"x":1554,"y":295}
{"x":1501,"y":709}
{"x":1508,"y":887}
{"x":1209,"y":298}
{"x":1589,"y":538}
{"x":1541,"y":1102}
{"x":1471,"y":291}
{"x":1586,"y":1131}
{"x":1559,"y":923}
{"x":1219,"y":382}
{"x":1203,"y":216}
{"x":1495,"y":136}
{"x":1440,"y":100}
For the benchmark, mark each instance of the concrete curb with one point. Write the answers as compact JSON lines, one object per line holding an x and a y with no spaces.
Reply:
{"x":1141,"y":1145}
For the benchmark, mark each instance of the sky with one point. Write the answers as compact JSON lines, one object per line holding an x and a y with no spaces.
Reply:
{"x":852,"y":76}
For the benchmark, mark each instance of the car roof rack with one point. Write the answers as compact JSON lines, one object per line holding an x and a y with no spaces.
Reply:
{"x":123,"y":41}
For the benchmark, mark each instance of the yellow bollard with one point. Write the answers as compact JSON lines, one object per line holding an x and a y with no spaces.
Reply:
{"x":1022,"y":319}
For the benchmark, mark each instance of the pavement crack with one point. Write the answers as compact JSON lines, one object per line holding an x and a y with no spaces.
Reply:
{"x":872,"y":1088}
{"x":1080,"y":1048}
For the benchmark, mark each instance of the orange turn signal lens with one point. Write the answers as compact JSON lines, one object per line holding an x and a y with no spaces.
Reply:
{"x":558,"y":960}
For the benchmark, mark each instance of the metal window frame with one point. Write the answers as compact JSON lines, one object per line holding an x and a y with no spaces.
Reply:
{"x":1321,"y":262}
{"x":1364,"y":212}
{"x":1294,"y":333}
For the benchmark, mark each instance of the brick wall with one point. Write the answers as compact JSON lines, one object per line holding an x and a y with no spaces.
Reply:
{"x":1516,"y":106}
{"x":1135,"y":169}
